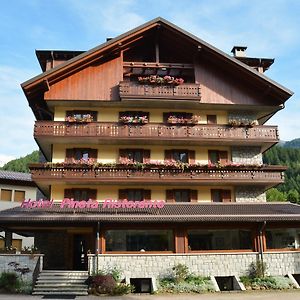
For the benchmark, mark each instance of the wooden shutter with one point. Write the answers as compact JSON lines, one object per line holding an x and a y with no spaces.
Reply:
{"x":68,"y":193}
{"x":170,"y":196}
{"x":223,"y":157}
{"x":92,"y":194}
{"x":94,"y":114}
{"x":211,"y":119}
{"x":123,"y":194}
{"x":215,"y":195}
{"x":147,"y":195}
{"x":226,"y":195}
{"x":166,"y":116}
{"x":191,"y":157}
{"x":168,"y":154}
{"x":93,"y":154}
{"x":123,"y":153}
{"x":146,"y":156}
{"x":69,"y":155}
{"x":194,"y":195}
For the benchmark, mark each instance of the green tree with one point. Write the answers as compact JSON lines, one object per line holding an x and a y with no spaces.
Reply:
{"x":21,"y":164}
{"x":293,"y":196}
{"x":273,"y":195}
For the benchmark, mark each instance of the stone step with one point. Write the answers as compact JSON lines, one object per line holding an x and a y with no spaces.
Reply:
{"x":70,"y":280}
{"x":60,"y":288}
{"x":82,"y":293}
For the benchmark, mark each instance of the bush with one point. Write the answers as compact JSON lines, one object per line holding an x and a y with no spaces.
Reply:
{"x":266,"y":283}
{"x":180,"y":272}
{"x":25,"y":287}
{"x":9,"y":282}
{"x":122,"y":289}
{"x":257,"y":270}
{"x":102,"y":284}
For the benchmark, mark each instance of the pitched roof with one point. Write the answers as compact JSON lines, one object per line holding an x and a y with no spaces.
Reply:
{"x":16,"y":178}
{"x":170,"y":213}
{"x":89,"y":56}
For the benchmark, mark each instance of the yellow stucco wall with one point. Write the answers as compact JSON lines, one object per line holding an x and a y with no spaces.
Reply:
{"x":157,"y":192}
{"x":110,"y":153}
{"x":155,"y":115}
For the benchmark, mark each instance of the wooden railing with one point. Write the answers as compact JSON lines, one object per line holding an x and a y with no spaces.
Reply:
{"x":267,"y":174}
{"x":155,"y":131}
{"x":136,"y":90}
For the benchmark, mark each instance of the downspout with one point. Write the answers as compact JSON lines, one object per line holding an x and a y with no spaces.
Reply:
{"x":261,"y":250}
{"x":97,"y":246}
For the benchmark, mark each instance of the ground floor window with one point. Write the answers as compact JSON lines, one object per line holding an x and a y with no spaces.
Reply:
{"x":139,"y":240}
{"x":283,"y":238}
{"x":214,"y":239}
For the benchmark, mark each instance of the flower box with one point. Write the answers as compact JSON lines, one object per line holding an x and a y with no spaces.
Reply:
{"x":155,"y":79}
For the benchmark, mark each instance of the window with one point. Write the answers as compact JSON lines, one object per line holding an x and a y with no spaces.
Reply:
{"x":219,"y":195}
{"x":211,"y":119}
{"x":181,"y":195}
{"x":219,"y":239}
{"x":6,"y":195}
{"x":283,"y":238}
{"x":81,"y":194}
{"x":216,"y":156}
{"x":134,"y":194}
{"x":81,"y":115}
{"x":181,"y":156}
{"x":139,"y":240}
{"x":16,"y":243}
{"x":134,"y":155}
{"x":19,"y":196}
{"x":81,"y":154}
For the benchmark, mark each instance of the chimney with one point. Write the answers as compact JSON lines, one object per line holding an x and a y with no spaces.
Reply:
{"x":239,"y":51}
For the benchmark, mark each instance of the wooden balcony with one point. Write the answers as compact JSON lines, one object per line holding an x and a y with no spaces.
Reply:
{"x":186,"y":91}
{"x":155,"y":131}
{"x":154,"y":175}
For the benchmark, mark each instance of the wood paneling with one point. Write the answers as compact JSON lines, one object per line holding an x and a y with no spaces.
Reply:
{"x":99,"y":82}
{"x":219,"y":87}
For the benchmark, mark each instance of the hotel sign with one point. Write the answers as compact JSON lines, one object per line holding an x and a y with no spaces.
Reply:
{"x":107,"y":203}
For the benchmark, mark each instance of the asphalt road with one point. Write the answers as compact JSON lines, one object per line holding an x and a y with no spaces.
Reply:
{"x":253,"y":295}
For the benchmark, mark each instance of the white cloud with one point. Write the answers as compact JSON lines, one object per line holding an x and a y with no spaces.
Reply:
{"x":5,"y":158}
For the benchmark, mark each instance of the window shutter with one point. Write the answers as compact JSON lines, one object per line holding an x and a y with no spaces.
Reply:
{"x":215,"y":195}
{"x":211,"y":119}
{"x":226,"y":196}
{"x":93,"y":154}
{"x":223,"y":157}
{"x":123,"y":194}
{"x":166,"y":116}
{"x":69,"y":155}
{"x":92,"y":194}
{"x":68,"y":193}
{"x":147,"y":195}
{"x":170,"y":196}
{"x":94,"y":114}
{"x":146,"y":156}
{"x":191,"y":157}
{"x":194,"y":195}
{"x":168,"y":154}
{"x":123,"y":153}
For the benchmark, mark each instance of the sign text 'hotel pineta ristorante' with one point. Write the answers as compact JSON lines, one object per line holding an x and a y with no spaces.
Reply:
{"x":107,"y":203}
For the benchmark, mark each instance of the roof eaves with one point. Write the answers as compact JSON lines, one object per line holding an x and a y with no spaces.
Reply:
{"x":113,"y":41}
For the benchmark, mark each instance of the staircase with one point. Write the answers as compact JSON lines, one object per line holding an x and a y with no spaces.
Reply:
{"x":61,"y":283}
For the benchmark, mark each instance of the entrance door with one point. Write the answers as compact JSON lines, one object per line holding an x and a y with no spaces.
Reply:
{"x":80,"y":252}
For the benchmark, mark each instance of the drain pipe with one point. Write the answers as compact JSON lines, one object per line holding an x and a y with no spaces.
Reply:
{"x":97,"y":246}
{"x":261,"y":250}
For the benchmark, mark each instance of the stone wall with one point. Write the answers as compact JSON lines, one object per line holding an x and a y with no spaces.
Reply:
{"x":249,"y":194}
{"x":24,"y":260}
{"x":246,"y":155}
{"x":216,"y":264}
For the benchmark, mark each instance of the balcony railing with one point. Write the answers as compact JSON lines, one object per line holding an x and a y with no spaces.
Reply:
{"x":183,"y":91}
{"x":155,"y":131}
{"x":159,"y":175}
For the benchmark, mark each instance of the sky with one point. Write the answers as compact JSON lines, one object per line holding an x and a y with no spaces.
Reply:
{"x":270,"y":28}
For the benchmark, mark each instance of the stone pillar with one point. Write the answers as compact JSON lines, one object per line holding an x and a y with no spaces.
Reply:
{"x":8,"y":239}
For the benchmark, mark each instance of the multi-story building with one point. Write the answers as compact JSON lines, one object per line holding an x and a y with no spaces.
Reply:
{"x":166,"y":133}
{"x":14,"y":188}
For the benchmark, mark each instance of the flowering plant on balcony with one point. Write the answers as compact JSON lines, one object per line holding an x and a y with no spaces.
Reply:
{"x":242,"y":123}
{"x":9,"y":250}
{"x":79,"y":118}
{"x":155,"y":79}
{"x":134,"y":119}
{"x":172,"y":119}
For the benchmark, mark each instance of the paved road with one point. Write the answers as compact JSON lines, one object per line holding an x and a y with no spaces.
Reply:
{"x":256,"y":295}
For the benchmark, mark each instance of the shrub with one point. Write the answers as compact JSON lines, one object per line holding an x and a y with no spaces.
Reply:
{"x":257,"y":270}
{"x":180,"y":272}
{"x":269,"y":282}
{"x":25,"y":287}
{"x":122,"y":289}
{"x":9,"y":282}
{"x":103,"y":284}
